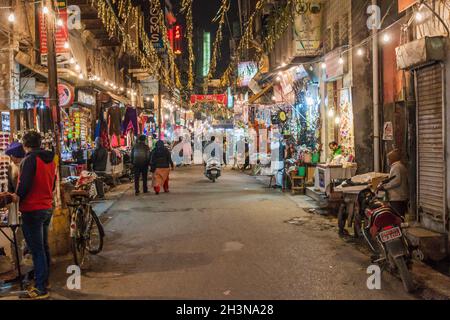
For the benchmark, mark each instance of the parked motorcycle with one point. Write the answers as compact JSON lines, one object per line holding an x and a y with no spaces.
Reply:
{"x":383,"y":230}
{"x":213,"y":169}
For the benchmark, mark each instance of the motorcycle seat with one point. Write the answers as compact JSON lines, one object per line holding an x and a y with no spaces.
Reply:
{"x":79,"y":194}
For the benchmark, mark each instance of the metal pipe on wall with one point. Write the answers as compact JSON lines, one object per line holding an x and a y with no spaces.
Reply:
{"x":376,"y":97}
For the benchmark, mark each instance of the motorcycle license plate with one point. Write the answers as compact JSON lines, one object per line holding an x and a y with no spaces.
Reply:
{"x":390,"y":234}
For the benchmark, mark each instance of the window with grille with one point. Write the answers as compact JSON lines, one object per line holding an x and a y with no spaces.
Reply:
{"x":336,"y":35}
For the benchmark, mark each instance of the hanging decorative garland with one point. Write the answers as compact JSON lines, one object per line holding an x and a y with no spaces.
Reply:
{"x":278,"y":23}
{"x":221,"y":16}
{"x":114,"y":25}
{"x":186,"y":7}
{"x":244,"y":44}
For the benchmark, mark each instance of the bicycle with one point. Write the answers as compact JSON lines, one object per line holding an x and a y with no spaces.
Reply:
{"x":86,"y":230}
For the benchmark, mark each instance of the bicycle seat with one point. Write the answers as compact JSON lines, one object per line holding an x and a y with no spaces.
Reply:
{"x":79,"y":193}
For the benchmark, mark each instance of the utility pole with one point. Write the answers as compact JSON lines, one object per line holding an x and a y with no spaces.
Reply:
{"x":376,"y":96}
{"x":53,"y":81}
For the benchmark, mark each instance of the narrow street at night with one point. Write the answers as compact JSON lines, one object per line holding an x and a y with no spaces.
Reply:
{"x":223,"y":240}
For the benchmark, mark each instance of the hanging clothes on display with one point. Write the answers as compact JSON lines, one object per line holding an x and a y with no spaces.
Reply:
{"x":113,"y":118}
{"x":130,"y":121}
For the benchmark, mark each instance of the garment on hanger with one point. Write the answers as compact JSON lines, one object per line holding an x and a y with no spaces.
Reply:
{"x":130,"y":119}
{"x":113,"y":118}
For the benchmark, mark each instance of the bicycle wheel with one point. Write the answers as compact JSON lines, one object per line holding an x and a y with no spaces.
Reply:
{"x":78,"y":242}
{"x":95,"y":234}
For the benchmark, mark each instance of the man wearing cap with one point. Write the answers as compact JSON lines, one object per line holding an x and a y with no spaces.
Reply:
{"x":16,"y":153}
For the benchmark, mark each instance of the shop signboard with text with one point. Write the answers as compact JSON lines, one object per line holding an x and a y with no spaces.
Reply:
{"x":61,"y":34}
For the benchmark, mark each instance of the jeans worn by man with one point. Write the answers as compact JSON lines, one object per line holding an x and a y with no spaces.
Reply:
{"x":138,"y":172}
{"x":35,"y":231}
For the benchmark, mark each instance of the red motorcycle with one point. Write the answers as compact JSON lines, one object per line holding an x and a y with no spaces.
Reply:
{"x":383,"y":229}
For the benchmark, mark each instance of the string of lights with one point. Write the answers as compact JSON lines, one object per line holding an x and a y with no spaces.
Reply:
{"x":220,"y":17}
{"x":187,"y":9}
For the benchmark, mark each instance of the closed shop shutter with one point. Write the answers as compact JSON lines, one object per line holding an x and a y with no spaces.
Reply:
{"x":431,"y":189}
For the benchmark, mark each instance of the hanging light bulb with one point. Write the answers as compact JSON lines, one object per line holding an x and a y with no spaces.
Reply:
{"x":323,"y":65}
{"x":77,"y":67}
{"x":274,"y":98}
{"x":72,"y":61}
{"x":11,"y":17}
{"x":360,"y":52}
{"x":331,"y":113}
{"x":386,"y":38}
{"x":81,"y":76}
{"x":44,"y":10}
{"x":341,"y":60}
{"x":419,"y":16}
{"x":337,"y":120}
{"x":278,"y":78}
{"x":66,"y":45}
{"x":59,"y":22}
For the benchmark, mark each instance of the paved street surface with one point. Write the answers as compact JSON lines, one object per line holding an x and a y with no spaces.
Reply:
{"x":224,"y":240}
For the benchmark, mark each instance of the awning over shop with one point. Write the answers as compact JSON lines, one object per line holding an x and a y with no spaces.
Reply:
{"x":121,"y":99}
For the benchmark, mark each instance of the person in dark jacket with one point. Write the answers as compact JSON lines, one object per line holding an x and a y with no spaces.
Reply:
{"x":35,"y":196}
{"x":161,"y":162}
{"x":140,"y":158}
{"x":99,"y":156}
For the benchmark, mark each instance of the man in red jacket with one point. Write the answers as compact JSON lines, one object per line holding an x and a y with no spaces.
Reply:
{"x":35,"y":195}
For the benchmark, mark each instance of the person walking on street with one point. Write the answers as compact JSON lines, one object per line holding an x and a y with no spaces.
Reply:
{"x":140,"y":158}
{"x":35,"y":196}
{"x":161,"y":162}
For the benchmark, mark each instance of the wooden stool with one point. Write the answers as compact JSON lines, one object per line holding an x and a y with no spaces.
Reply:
{"x":298,"y":184}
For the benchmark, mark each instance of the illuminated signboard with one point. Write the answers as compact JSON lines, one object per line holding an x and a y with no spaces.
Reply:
{"x":206,"y":52}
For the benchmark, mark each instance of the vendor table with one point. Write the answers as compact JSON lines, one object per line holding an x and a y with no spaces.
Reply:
{"x":13,"y":241}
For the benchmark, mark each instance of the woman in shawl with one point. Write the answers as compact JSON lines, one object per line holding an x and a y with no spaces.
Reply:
{"x":161,"y":163}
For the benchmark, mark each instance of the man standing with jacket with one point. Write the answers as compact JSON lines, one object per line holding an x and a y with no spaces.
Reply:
{"x":35,"y":195}
{"x":140,"y":158}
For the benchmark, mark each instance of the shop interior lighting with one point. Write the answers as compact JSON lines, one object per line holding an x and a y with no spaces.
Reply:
{"x":274,"y":98}
{"x":11,"y":17}
{"x":66,"y":45}
{"x":44,"y":10}
{"x":360,"y":52}
{"x":331,"y":113}
{"x":341,"y":60}
{"x":283,"y":64}
{"x":59,"y":22}
{"x":278,"y":78}
{"x":386,"y":38}
{"x":324,"y":65}
{"x":77,"y":67}
{"x":81,"y":76}
{"x":72,"y":61}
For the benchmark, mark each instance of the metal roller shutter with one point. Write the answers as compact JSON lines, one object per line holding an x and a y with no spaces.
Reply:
{"x":431,"y":188}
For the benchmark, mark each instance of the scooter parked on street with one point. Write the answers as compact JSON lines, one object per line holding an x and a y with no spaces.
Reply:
{"x":383,"y":230}
{"x":213,"y":169}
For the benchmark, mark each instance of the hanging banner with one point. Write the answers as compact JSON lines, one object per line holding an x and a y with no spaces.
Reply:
{"x":307,"y":28}
{"x":246,"y":72}
{"x":61,"y":34}
{"x":205,"y":98}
